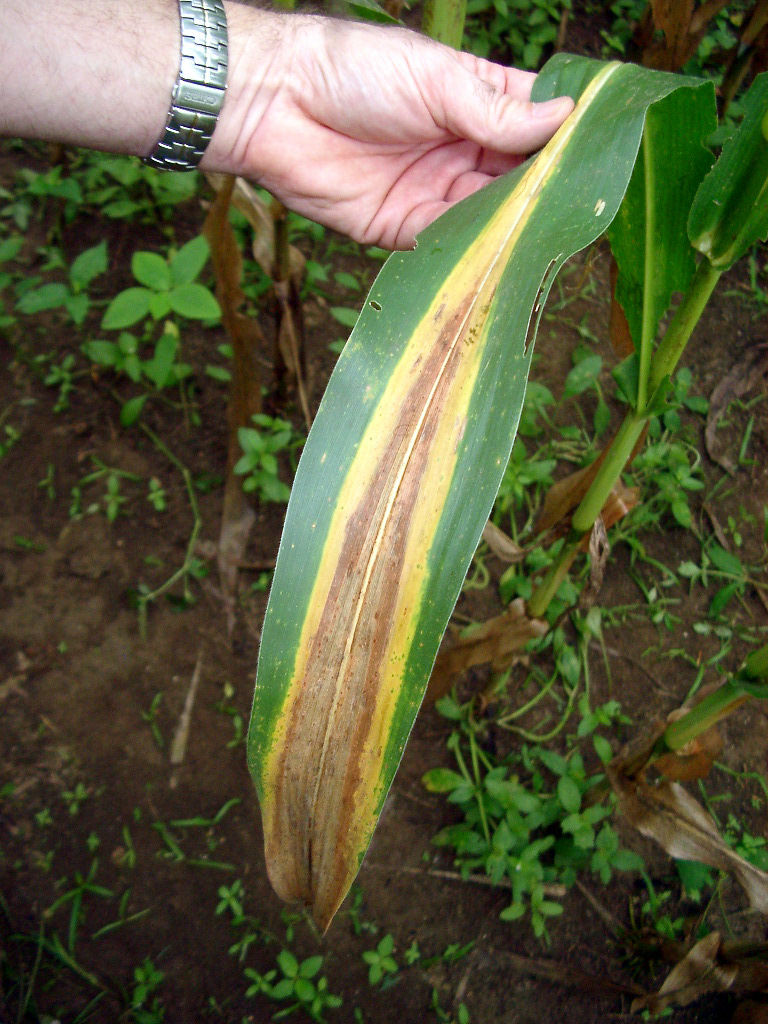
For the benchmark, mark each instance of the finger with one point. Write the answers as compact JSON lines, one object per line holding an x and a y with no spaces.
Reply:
{"x":512,"y":81}
{"x":403,"y":236}
{"x":467,"y":184}
{"x":472,"y":109}
{"x":494,"y":163}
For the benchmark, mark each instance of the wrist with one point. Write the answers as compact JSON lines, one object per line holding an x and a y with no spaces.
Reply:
{"x":259,"y":48}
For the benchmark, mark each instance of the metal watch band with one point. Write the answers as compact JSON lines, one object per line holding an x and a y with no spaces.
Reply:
{"x":199,"y":90}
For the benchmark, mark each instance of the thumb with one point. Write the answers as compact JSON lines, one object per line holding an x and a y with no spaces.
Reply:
{"x":473,"y":109}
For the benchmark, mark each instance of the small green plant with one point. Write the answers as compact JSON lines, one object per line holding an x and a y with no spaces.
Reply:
{"x":231,"y":900}
{"x":71,"y":295}
{"x":75,"y":797}
{"x":165,"y":286}
{"x":224,"y":706}
{"x":443,"y":1016}
{"x":10,"y":436}
{"x":359,"y":924}
{"x":381,"y":963}
{"x":43,"y":818}
{"x":258,"y":464}
{"x":35,"y":187}
{"x":62,"y":375}
{"x":150,"y":716}
{"x":112,"y":501}
{"x":146,"y":1007}
{"x":121,"y":187}
{"x":299,"y":986}
{"x":156,"y":495}
{"x":523,"y":30}
{"x":529,"y":822}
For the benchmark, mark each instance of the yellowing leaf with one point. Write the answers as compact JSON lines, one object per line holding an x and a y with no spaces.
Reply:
{"x":399,"y":475}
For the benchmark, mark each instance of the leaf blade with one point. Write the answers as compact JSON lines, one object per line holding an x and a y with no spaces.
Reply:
{"x":396,"y":482}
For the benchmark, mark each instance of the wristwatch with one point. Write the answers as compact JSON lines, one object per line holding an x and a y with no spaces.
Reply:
{"x":199,"y":90}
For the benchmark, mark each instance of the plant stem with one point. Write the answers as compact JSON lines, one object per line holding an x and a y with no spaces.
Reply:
{"x":443,"y":20}
{"x":614,"y":462}
{"x":717,"y":705}
{"x":543,"y":595}
{"x":686,"y":316}
{"x":665,"y":359}
{"x":197,"y":524}
{"x":663,"y":363}
{"x":648,"y":327}
{"x":708,"y":712}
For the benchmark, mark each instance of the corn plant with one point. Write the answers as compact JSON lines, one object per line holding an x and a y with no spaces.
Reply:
{"x":405,"y":457}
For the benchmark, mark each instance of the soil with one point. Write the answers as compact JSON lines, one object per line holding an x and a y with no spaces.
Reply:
{"x":84,"y":698}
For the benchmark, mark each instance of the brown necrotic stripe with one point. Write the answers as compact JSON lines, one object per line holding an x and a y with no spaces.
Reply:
{"x":346,"y":665}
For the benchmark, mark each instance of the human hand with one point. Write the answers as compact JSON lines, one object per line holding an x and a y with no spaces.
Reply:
{"x":373,"y":131}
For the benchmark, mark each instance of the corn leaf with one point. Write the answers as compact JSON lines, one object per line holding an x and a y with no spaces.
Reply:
{"x":730,"y":212}
{"x":648,"y":237}
{"x":399,"y":475}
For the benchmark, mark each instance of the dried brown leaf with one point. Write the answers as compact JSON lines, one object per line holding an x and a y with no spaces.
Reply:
{"x":683,"y":27}
{"x":259,"y":215}
{"x":564,"y":496}
{"x":673,"y":18}
{"x":599,"y":550}
{"x":501,"y":544}
{"x":290,"y":339}
{"x":669,"y":815}
{"x":245,"y":389}
{"x":694,"y":760}
{"x":697,"y":974}
{"x":496,"y":641}
{"x":620,"y":503}
{"x":714,"y":966}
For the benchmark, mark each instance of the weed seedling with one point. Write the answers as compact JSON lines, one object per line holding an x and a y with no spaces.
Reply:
{"x":258,"y":464}
{"x":44,"y":818}
{"x":156,"y":495}
{"x":225,"y":707}
{"x":75,"y":797}
{"x":71,"y":295}
{"x":299,"y":986}
{"x":164,"y":286}
{"x":113,"y":499}
{"x":147,"y":980}
{"x":150,"y":717}
{"x":529,"y":822}
{"x":381,"y":963}
{"x":8,"y":439}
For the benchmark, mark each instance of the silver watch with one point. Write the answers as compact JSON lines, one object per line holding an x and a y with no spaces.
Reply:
{"x":199,"y":90}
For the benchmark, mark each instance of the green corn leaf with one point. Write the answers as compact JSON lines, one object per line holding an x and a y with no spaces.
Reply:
{"x":648,"y":237}
{"x":399,"y":475}
{"x":730,"y":211}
